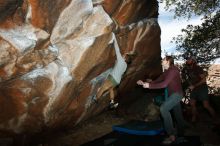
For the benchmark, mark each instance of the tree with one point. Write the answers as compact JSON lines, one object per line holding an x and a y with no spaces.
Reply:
{"x":202,"y":41}
{"x":187,"y":8}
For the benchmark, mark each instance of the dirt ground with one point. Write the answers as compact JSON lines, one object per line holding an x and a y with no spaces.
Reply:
{"x":102,"y":124}
{"x":97,"y":126}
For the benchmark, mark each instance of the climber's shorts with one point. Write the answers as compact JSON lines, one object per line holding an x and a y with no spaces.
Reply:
{"x":114,"y":83}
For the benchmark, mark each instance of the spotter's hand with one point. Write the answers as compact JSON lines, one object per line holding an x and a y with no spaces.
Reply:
{"x":140,"y":82}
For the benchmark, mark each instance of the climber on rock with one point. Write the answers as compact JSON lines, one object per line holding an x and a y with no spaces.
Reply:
{"x":115,"y":75}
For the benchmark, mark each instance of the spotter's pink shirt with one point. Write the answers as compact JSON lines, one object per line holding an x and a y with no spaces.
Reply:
{"x":170,"y":79}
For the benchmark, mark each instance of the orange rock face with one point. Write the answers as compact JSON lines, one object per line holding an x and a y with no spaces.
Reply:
{"x":213,"y":79}
{"x":53,"y":53}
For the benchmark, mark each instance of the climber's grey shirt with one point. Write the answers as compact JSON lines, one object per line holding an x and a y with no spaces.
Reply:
{"x":120,"y":64}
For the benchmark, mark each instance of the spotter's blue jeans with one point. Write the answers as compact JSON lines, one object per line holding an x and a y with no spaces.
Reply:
{"x":172,"y":103}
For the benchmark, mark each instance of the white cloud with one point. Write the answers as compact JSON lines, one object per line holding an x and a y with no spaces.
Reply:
{"x":217,"y":61}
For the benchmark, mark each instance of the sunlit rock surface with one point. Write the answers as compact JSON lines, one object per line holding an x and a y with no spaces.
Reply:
{"x":213,"y":79}
{"x":53,"y":52}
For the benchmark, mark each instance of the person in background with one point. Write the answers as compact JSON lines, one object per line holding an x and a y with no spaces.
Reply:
{"x":170,"y":78}
{"x":196,"y":77}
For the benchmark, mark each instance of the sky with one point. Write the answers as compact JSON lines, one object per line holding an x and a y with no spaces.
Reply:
{"x":171,"y":27}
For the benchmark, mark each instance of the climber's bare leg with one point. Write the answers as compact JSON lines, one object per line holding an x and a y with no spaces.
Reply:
{"x":105,"y":87}
{"x":113,"y":93}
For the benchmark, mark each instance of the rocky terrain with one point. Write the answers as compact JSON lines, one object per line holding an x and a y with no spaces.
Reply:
{"x":213,"y":79}
{"x":54,"y":52}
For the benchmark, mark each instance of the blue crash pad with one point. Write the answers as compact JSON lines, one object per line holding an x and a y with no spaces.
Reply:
{"x":123,"y":139}
{"x":136,"y":127}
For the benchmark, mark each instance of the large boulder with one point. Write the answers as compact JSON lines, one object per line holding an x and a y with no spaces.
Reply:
{"x":52,"y":52}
